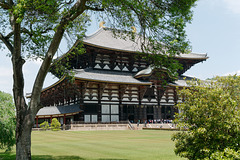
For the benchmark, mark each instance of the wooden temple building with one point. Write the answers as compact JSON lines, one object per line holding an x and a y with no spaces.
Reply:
{"x":111,"y":84}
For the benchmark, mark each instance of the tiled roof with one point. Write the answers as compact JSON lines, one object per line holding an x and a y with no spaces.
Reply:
{"x":193,"y":56}
{"x":182,"y":81}
{"x":56,"y":110}
{"x":104,"y":38}
{"x":108,"y":76}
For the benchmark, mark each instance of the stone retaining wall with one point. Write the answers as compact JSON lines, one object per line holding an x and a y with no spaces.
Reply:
{"x":89,"y":127}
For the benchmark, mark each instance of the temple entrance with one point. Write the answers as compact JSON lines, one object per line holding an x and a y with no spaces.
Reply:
{"x":91,"y":113}
{"x":131,"y":118}
{"x":149,"y":118}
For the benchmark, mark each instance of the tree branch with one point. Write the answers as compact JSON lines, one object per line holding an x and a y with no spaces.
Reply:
{"x":69,"y":2}
{"x":74,"y":12}
{"x":25,"y":30}
{"x":6,"y":42}
{"x":9,"y":35}
{"x":94,"y":8}
{"x":78,"y":8}
{"x":5,"y":5}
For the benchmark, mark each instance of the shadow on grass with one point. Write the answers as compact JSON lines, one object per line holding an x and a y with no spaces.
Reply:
{"x":9,"y":156}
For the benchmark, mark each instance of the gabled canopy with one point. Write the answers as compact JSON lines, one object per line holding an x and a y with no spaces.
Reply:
{"x":59,"y":110}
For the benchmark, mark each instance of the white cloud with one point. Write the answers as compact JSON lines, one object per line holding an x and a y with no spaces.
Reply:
{"x":232,"y":73}
{"x":230,"y":5}
{"x":233,"y":5}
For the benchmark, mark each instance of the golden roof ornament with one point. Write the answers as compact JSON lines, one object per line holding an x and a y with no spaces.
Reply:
{"x":101,"y":24}
{"x":134,"y":30}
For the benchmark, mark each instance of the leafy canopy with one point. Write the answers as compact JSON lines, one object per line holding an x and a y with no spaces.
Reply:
{"x":162,"y":21}
{"x":211,"y":114}
{"x":7,"y":121}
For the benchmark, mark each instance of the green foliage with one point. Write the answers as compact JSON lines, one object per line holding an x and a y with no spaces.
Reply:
{"x":211,"y":114}
{"x":55,"y":125}
{"x":44,"y":125}
{"x":228,"y":154}
{"x":162,"y":22}
{"x":7,"y":121}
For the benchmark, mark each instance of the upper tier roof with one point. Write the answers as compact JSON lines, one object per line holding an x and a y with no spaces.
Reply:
{"x":104,"y":38}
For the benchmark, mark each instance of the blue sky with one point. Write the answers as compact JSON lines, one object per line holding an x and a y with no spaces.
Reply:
{"x":215,"y":30}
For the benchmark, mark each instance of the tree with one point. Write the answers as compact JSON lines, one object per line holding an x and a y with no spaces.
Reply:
{"x":34,"y":29}
{"x":211,"y":114}
{"x":7,"y":121}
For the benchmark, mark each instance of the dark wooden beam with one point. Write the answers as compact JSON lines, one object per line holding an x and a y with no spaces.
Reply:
{"x":122,"y":90}
{"x":141,"y":91}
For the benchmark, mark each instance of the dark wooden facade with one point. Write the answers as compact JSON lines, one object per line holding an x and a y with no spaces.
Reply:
{"x":113,"y":101}
{"x":135,"y":102}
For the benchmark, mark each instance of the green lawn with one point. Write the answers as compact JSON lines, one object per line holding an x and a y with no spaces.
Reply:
{"x":100,"y":145}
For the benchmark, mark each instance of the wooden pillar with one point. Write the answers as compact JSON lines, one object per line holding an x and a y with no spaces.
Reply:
{"x":100,"y":91}
{"x":135,"y":113}
{"x":172,"y":112}
{"x":165,"y":112}
{"x":64,"y":119}
{"x":145,"y":113}
{"x":155,"y":112}
{"x":167,"y":96}
{"x":121,"y":92}
{"x":51,"y":118}
{"x":141,"y":114}
{"x":140,"y":95}
{"x":64,"y":93}
{"x":120,"y":109}
{"x":160,"y":113}
{"x":175,"y":96}
{"x":121,"y":114}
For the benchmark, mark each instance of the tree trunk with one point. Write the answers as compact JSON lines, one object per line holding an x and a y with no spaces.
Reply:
{"x":24,"y":113}
{"x":24,"y":126}
{"x":24,"y":118}
{"x":23,"y":141}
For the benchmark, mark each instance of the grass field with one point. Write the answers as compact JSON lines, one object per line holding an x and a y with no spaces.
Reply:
{"x":100,"y":145}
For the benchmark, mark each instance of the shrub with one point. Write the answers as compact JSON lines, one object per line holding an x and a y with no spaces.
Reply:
{"x":55,"y":125}
{"x":44,"y":125}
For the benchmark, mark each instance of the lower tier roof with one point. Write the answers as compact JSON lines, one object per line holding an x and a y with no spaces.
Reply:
{"x":108,"y":76}
{"x":58,"y":110}
{"x":93,"y":75}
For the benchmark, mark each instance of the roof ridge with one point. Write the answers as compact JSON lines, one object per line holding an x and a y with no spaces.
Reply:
{"x":94,"y":33}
